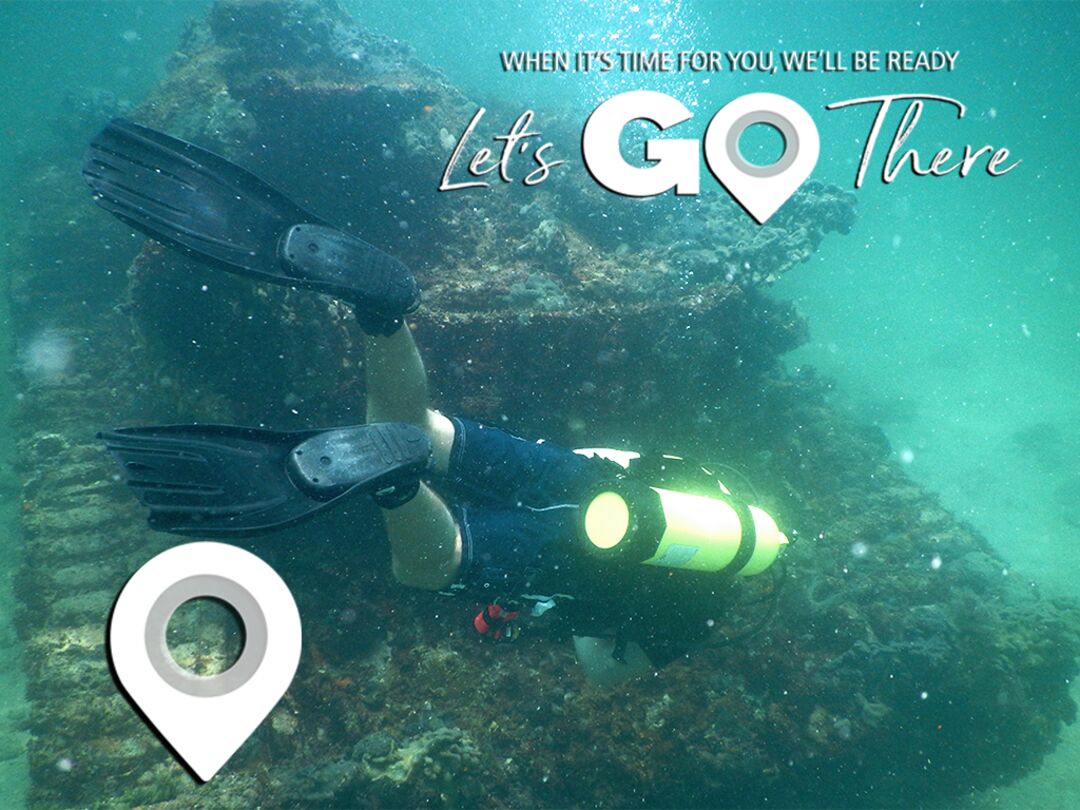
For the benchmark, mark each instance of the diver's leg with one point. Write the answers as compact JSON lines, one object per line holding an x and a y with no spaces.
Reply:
{"x":424,"y":540}
{"x":397,"y":391}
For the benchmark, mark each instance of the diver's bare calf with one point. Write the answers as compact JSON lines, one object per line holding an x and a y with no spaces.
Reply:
{"x":424,"y":540}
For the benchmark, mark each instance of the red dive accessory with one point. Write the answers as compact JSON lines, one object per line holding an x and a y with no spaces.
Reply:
{"x":493,"y":622}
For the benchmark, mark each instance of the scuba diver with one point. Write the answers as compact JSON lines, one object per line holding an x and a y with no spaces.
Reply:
{"x":638,"y":554}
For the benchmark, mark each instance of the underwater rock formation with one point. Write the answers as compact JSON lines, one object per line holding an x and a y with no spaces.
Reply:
{"x":904,"y":660}
{"x":421,"y":771}
{"x":496,"y":265}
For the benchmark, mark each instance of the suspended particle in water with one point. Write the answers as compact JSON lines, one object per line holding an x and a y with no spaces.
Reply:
{"x":47,"y":355}
{"x":907,"y":456}
{"x":130,"y":36}
{"x":859,"y":549}
{"x":935,"y":562}
{"x":65,"y":764}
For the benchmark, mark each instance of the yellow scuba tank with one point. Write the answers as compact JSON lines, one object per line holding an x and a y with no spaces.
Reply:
{"x":628,"y":519}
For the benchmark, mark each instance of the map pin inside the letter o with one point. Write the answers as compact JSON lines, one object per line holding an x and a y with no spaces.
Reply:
{"x":761,"y":190}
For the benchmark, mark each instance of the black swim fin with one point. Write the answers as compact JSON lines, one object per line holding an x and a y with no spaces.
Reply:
{"x":210,"y":480}
{"x":209,"y":208}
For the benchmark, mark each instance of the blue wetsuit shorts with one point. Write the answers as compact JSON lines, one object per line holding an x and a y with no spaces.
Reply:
{"x":516,"y":503}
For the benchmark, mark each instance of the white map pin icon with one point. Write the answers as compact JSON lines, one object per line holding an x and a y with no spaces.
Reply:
{"x":761,"y":190}
{"x":205,"y":719}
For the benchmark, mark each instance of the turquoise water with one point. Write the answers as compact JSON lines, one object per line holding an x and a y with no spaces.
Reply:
{"x":57,"y":61}
{"x":56,"y":58}
{"x":13,"y":710}
{"x":949,"y":317}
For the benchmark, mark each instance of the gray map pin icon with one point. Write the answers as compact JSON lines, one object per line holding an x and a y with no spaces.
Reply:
{"x":205,"y":719}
